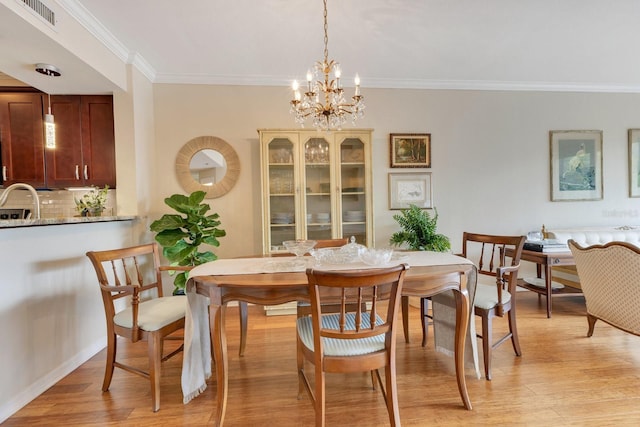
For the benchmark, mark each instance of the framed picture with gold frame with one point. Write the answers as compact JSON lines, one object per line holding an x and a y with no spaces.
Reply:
{"x":576,"y":165}
{"x":634,"y":162}
{"x":410,"y":150}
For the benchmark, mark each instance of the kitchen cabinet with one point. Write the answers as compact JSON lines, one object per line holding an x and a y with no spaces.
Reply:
{"x":22,"y":139}
{"x":315,"y":185}
{"x":85,"y":142}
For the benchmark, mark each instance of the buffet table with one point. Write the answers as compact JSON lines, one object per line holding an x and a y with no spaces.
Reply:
{"x":272,"y":281}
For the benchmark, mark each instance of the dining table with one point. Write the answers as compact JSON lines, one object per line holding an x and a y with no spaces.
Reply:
{"x":271,"y":281}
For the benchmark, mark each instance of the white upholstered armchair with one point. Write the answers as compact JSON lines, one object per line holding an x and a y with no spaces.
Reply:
{"x":609,"y":275}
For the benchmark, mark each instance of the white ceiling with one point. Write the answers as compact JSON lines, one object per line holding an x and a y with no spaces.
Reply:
{"x":585,"y":45}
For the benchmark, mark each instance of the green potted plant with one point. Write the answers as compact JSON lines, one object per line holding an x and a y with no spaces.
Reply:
{"x":181,"y":235}
{"x":419,"y":231}
{"x":93,"y":202}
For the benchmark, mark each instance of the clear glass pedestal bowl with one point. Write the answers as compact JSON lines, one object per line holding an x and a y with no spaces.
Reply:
{"x":299,"y":248}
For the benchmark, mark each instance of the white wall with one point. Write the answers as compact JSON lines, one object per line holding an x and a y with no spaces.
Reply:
{"x":490,"y":154}
{"x":51,"y":309}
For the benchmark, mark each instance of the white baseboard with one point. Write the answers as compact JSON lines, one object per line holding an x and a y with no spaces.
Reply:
{"x":9,"y":408}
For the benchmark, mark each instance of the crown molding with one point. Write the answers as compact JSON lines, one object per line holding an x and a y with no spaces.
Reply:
{"x":78,"y":12}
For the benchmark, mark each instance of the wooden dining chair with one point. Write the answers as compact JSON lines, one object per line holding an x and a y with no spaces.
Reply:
{"x":132,"y":275}
{"x":351,"y":341}
{"x":495,"y":291}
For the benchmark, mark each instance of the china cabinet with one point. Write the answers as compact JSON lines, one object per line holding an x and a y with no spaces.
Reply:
{"x":315,"y":185}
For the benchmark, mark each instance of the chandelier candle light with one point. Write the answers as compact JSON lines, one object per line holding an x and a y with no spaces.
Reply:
{"x":323,"y":101}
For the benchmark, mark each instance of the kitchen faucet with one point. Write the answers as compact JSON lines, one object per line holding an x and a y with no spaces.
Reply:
{"x":9,"y":189}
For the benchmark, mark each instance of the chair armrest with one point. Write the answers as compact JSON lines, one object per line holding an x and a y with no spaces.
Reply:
{"x":176,"y":267}
{"x":128,"y":289}
{"x":501,"y":272}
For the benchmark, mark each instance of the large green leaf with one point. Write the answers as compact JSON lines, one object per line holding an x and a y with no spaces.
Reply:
{"x":167,"y":222}
{"x":168,"y":238}
{"x":179,"y":251}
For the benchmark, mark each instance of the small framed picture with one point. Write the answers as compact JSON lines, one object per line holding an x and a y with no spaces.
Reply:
{"x":410,"y":150}
{"x":634,"y":162}
{"x":407,"y":189}
{"x":576,"y":165}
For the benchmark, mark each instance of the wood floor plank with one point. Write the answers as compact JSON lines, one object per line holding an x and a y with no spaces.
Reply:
{"x":562,"y":379}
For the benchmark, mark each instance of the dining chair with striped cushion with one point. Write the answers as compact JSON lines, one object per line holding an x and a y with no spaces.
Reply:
{"x":352,"y":339}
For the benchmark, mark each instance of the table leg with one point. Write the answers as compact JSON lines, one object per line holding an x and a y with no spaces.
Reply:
{"x":404,"y":300}
{"x":462,"y":324}
{"x":244,"y":318}
{"x":547,"y":282}
{"x":219,"y":339}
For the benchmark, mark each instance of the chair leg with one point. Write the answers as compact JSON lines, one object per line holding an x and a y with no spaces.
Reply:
{"x":155,"y":360}
{"x":112,"y":343}
{"x":592,"y":323}
{"x":244,"y":319}
{"x":424,"y":310}
{"x":392,"y":395}
{"x":319,"y":403}
{"x":300,"y":363}
{"x":513,"y":328}
{"x":487,"y":339}
{"x":404,"y":302}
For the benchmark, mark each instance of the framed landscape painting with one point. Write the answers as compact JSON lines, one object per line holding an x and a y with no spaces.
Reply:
{"x":634,"y":162}
{"x":576,"y":165}
{"x":410,"y":150}
{"x":407,"y":189}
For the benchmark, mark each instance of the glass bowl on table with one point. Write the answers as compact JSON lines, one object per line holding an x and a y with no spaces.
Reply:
{"x":376,"y":257}
{"x":299,"y":248}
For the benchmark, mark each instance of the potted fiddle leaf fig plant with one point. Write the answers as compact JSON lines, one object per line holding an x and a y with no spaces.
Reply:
{"x":418,"y":231}
{"x":181,"y":235}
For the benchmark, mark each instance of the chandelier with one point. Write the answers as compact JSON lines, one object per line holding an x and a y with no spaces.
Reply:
{"x":324,"y":101}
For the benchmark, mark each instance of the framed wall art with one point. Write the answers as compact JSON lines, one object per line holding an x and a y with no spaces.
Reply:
{"x":410,"y":150}
{"x":408,"y":188}
{"x":576,"y":165}
{"x":634,"y":162}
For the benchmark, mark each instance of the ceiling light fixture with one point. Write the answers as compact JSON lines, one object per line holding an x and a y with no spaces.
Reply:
{"x":48,"y":70}
{"x":49,"y":129}
{"x":324,"y":100}
{"x":49,"y":125}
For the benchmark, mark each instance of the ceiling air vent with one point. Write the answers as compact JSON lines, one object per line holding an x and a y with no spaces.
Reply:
{"x":42,"y":10}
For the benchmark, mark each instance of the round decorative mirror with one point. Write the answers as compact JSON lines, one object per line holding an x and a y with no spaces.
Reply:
{"x":209,"y":164}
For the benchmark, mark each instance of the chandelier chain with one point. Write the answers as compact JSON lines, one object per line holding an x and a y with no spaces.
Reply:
{"x":326,"y":34}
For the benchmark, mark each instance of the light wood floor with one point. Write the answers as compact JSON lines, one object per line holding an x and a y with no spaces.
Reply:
{"x":562,"y":379}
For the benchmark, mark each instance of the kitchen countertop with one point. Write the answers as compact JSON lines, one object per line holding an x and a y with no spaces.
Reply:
{"x":13,"y":223}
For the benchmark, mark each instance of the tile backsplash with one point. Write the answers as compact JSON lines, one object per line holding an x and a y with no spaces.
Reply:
{"x":56,"y":203}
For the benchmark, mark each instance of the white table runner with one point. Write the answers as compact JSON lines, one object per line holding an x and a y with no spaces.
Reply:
{"x":258,"y":265}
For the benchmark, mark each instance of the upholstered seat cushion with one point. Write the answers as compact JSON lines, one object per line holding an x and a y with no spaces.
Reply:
{"x":487,"y":296}
{"x":340,"y":347}
{"x":155,"y":313}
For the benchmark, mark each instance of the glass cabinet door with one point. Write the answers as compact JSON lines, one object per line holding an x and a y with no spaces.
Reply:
{"x":353,"y":206}
{"x":318,"y":194}
{"x":282,"y":200}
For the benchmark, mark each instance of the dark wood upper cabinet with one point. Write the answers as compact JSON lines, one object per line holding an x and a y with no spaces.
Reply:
{"x":85,"y":142}
{"x":22,"y":139}
{"x":98,"y":140}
